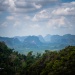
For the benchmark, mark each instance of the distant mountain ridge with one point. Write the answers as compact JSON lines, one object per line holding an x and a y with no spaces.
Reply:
{"x":39,"y":43}
{"x":32,"y":42}
{"x":32,"y":39}
{"x":65,"y":39}
{"x":21,"y":38}
{"x":11,"y":42}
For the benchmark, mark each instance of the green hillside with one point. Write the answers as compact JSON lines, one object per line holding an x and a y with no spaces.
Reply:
{"x":49,"y":63}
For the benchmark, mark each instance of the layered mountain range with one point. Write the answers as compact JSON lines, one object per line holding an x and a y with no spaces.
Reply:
{"x":39,"y":43}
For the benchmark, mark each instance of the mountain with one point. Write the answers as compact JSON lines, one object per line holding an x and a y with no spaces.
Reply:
{"x":39,"y":43}
{"x":47,"y":38}
{"x":32,"y":42}
{"x":21,"y":38}
{"x":41,"y":38}
{"x":55,"y":39}
{"x":65,"y":39}
{"x":11,"y":42}
{"x":32,"y":39}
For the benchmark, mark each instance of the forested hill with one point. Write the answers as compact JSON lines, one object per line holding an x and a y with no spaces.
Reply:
{"x":49,"y":63}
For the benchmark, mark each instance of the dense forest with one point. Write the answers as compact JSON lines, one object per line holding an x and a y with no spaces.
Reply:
{"x":49,"y":63}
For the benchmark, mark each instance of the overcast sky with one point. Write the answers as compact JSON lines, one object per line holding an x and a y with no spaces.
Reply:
{"x":37,"y":17}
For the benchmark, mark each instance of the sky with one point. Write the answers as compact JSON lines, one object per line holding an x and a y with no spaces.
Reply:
{"x":37,"y":17}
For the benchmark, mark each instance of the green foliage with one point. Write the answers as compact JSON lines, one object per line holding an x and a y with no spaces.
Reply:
{"x":49,"y":63}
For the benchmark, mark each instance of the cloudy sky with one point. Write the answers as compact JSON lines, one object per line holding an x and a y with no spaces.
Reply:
{"x":37,"y":17}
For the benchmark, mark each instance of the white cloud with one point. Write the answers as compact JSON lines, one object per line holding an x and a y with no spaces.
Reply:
{"x":10,"y":18}
{"x":60,"y":22}
{"x":69,"y":4}
{"x":34,"y":29}
{"x":41,"y":15}
{"x":35,"y":26}
{"x":65,"y":9}
{"x":57,"y":17}
{"x":23,"y":6}
{"x":4,"y":24}
{"x":17,"y":24}
{"x":23,"y":14}
{"x":26,"y":17}
{"x":37,"y":6}
{"x":11,"y":3}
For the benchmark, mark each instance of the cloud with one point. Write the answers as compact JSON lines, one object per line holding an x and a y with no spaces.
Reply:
{"x":21,"y":6}
{"x":41,"y":15}
{"x":35,"y":26}
{"x":29,"y":5}
{"x":3,"y":5}
{"x":4,"y":24}
{"x":17,"y":24}
{"x":57,"y":17}
{"x":26,"y":17}
{"x":10,"y":18}
{"x":59,"y":22}
{"x":37,"y":6}
{"x":65,"y":9}
{"x":32,"y":15}
{"x":34,"y":29}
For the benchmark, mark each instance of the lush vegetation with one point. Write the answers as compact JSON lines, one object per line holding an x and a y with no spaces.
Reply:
{"x":49,"y":63}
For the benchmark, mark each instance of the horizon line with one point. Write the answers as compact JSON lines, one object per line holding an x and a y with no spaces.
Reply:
{"x":35,"y":35}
